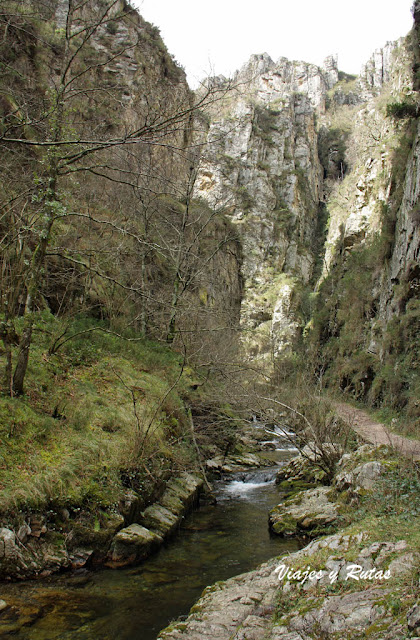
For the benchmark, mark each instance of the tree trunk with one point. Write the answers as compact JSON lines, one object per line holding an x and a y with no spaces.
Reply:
{"x":170,"y":336}
{"x":23,"y":357}
{"x":37,"y":265}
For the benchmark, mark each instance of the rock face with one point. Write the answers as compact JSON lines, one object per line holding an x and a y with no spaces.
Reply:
{"x":367,"y":187}
{"x":367,"y":298}
{"x":322,"y":185}
{"x":404,"y":261}
{"x":261,"y":167}
{"x":376,"y":72}
{"x":38,"y":556}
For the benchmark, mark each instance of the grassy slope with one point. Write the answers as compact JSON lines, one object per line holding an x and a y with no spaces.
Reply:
{"x":75,"y":435}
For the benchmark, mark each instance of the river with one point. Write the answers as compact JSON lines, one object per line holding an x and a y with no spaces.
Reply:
{"x":215,"y":543}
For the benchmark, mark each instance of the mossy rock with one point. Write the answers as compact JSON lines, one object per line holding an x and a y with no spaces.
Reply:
{"x":301,"y":473}
{"x":171,"y":501}
{"x":160,"y":520}
{"x":286,"y":527}
{"x":293,"y":486}
{"x":131,"y":545}
{"x":308,"y":512}
{"x":96,"y":532}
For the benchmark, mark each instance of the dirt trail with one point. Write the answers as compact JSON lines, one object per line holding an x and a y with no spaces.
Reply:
{"x":376,"y":432}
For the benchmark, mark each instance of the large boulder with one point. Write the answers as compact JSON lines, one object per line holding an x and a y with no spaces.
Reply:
{"x":363,"y":477}
{"x":132,"y":544}
{"x":307,"y":512}
{"x":236,"y":462}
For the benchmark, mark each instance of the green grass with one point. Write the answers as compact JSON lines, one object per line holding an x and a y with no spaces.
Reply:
{"x":73,"y":435}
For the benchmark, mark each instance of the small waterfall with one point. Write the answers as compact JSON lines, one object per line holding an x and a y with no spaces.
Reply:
{"x":283,"y":440}
{"x":246,"y":484}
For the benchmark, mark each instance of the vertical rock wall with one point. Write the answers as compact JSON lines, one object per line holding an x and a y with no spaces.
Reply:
{"x":293,"y":143}
{"x":261,"y":167}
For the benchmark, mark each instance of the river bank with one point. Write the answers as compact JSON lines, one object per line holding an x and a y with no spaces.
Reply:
{"x":138,"y":601}
{"x":368,"y":508}
{"x":374,"y":505}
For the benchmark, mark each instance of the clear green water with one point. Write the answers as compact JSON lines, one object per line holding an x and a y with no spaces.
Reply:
{"x":215,"y":543}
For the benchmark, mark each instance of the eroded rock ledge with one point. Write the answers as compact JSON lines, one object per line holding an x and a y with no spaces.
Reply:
{"x":134,"y":543}
{"x":38,"y":548}
{"x":242,"y":608}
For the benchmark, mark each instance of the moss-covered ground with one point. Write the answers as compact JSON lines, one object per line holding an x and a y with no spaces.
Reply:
{"x":101,"y":414}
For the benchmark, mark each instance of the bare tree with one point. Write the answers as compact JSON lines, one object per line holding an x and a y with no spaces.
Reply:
{"x":65,"y":133}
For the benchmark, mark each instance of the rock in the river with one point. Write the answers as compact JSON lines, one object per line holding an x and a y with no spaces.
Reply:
{"x":172,"y":501}
{"x":132,"y":544}
{"x":238,"y":462}
{"x":307,"y":512}
{"x":160,"y":520}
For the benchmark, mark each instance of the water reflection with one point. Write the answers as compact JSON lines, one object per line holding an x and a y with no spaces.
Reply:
{"x":216,"y":542}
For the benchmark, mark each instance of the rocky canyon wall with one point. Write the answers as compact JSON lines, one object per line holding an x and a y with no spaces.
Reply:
{"x":261,"y":167}
{"x":318,"y":171}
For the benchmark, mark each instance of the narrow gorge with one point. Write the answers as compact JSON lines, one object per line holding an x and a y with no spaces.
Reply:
{"x":195,"y":286}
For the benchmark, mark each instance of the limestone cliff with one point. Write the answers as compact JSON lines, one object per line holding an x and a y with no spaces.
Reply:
{"x":261,"y":167}
{"x":318,"y":172}
{"x":366,"y":315}
{"x":302,"y":209}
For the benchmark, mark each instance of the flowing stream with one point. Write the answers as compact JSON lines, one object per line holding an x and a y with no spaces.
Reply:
{"x":215,"y":543}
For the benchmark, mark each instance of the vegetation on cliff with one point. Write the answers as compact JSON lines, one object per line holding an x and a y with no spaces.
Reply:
{"x":364,"y":329}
